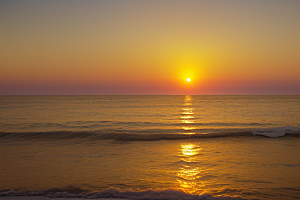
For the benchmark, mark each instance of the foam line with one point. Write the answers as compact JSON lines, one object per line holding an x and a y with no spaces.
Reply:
{"x":276,"y":132}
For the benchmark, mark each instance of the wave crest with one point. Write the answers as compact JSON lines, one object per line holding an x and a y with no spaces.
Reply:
{"x":277,"y":132}
{"x":127,"y":136}
{"x":60,"y":135}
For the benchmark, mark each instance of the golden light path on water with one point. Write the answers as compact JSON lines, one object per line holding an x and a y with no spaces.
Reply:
{"x":187,"y":115}
{"x":190,"y":171}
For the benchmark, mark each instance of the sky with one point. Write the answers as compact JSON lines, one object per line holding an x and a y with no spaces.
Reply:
{"x":149,"y":47}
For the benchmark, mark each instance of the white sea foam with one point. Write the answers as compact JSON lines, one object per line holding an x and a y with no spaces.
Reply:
{"x":275,"y":132}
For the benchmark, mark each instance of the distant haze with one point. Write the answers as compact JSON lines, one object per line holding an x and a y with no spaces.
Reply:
{"x":149,"y":47}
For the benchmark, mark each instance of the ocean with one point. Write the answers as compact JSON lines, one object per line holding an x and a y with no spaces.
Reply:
{"x":150,"y":147}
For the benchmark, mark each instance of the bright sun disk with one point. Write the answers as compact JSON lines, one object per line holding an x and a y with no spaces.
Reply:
{"x":188,"y":80}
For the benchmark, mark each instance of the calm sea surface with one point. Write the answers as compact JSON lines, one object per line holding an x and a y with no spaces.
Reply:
{"x":80,"y":146}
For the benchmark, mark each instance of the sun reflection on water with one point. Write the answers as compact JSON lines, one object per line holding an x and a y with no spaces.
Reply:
{"x":188,"y":150}
{"x":187,"y":115}
{"x":189,"y":172}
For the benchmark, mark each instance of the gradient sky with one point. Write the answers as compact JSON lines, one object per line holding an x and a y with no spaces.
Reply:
{"x":149,"y":47}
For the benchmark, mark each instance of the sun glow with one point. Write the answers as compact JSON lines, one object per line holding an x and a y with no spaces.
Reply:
{"x":188,"y":80}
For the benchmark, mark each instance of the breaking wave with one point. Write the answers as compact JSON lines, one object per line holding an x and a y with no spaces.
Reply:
{"x":76,"y":192}
{"x":123,"y":136}
{"x":277,"y":132}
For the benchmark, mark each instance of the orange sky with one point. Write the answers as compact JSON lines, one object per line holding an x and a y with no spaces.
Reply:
{"x":150,"y":47}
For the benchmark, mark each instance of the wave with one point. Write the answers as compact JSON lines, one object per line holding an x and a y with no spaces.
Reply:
{"x":76,"y":192}
{"x":94,"y":135}
{"x":104,"y":122}
{"x":125,"y":136}
{"x":277,"y":132}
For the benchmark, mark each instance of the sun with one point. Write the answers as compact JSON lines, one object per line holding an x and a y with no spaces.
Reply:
{"x":188,"y":80}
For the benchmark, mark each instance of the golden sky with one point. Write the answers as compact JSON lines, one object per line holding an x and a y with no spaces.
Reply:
{"x":150,"y":47}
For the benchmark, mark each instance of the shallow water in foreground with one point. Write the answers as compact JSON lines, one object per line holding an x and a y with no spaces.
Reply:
{"x":65,"y":147}
{"x":242,"y":166}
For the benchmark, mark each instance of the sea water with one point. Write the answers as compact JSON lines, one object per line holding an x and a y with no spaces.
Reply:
{"x":150,"y":147}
